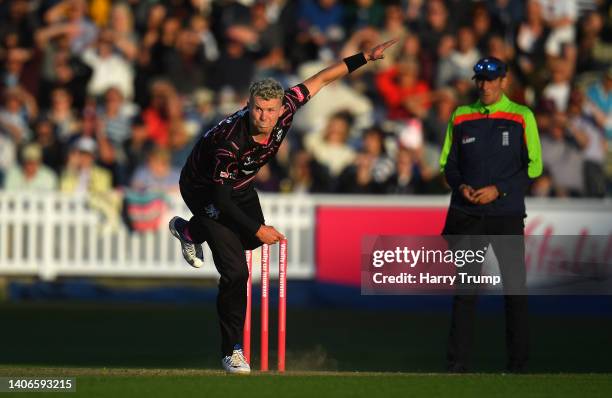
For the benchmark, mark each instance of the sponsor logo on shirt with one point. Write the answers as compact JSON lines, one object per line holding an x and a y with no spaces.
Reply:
{"x":298,"y":93}
{"x":468,"y":140}
{"x":212,"y":211}
{"x":225,"y":174}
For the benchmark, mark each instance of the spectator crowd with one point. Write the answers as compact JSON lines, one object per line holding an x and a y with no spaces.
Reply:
{"x":100,"y":95}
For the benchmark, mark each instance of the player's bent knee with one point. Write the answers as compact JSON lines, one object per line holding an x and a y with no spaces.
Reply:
{"x":236,"y":277}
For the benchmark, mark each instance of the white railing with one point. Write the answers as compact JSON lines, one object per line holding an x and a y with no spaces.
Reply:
{"x":52,"y":235}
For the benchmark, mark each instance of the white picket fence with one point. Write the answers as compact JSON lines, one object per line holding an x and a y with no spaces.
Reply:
{"x":53,"y":234}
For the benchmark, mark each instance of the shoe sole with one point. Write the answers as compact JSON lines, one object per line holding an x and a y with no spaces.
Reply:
{"x":235,"y":370}
{"x":238,"y":371}
{"x":174,"y":232}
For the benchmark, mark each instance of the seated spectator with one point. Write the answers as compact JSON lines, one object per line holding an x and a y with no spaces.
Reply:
{"x":594,"y":53}
{"x":406,"y":178}
{"x":498,"y":47}
{"x":411,"y":136}
{"x":591,"y":139}
{"x":438,"y":116}
{"x":505,"y":15}
{"x":62,"y":114}
{"x":363,"y":14}
{"x":157,"y":174}
{"x":264,"y":39}
{"x":483,"y":26}
{"x":53,"y":150}
{"x":73,"y":74}
{"x":530,"y":38}
{"x":163,"y":112}
{"x":329,"y":146}
{"x":81,"y":173}
{"x":82,"y":176}
{"x":403,"y":92}
{"x":393,"y":28}
{"x":562,"y":158}
{"x":109,"y":68}
{"x":599,"y":102}
{"x":306,"y":175}
{"x":122,"y":27}
{"x":201,"y":113}
{"x":8,"y":153}
{"x":560,"y":16}
{"x":235,"y":68}
{"x":321,"y":22}
{"x":458,"y":66}
{"x":559,"y":88}
{"x":435,"y":25}
{"x":18,"y":109}
{"x":184,"y":64}
{"x":18,"y":21}
{"x":73,"y":13}
{"x":138,"y":146}
{"x":412,"y":49}
{"x":443,"y":66}
{"x":358,"y":178}
{"x":116,"y":115}
{"x":20,"y":69}
{"x":180,"y":144}
{"x":373,"y":143}
{"x":200,"y":24}
{"x":32,"y":175}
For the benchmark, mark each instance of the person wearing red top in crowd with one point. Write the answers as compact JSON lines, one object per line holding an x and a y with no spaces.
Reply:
{"x":403,"y":93}
{"x":164,"y":114}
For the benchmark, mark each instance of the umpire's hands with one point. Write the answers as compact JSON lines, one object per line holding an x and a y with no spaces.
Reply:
{"x":486,"y":195}
{"x":468,"y":193}
{"x":269,"y":235}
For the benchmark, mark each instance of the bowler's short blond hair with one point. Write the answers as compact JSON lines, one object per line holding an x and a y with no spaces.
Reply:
{"x":267,"y":89}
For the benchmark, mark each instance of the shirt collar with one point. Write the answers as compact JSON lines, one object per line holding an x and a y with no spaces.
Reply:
{"x":503,"y":101}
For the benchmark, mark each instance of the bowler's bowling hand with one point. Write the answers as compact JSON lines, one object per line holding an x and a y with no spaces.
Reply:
{"x":377,"y":52}
{"x":486,"y":195}
{"x":269,"y":235}
{"x":468,"y":193}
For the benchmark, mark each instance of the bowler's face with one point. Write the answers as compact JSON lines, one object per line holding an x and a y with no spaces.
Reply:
{"x":490,"y":91}
{"x":264,"y":114}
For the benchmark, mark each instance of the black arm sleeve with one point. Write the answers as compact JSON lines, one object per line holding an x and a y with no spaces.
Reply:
{"x":222,"y":199}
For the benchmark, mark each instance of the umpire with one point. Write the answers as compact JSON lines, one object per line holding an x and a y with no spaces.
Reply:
{"x":490,"y":154}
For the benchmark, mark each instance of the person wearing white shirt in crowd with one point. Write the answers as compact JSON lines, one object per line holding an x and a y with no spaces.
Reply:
{"x":329,"y":146}
{"x":109,"y":68}
{"x":561,"y":16}
{"x":32,"y":175}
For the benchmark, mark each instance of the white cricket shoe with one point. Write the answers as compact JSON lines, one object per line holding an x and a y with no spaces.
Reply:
{"x":236,"y":363}
{"x":192,"y":252}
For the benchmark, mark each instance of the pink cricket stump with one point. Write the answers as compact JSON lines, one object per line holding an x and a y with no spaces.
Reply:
{"x":282,"y":303}
{"x":246,"y":336}
{"x":265,"y":279}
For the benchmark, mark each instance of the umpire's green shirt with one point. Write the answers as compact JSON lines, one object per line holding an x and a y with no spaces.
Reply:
{"x":495,"y":144}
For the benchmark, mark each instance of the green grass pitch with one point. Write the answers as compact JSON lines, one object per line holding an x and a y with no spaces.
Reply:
{"x":118,"y":350}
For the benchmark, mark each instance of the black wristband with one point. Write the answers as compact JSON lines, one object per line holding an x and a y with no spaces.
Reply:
{"x":355,"y":61}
